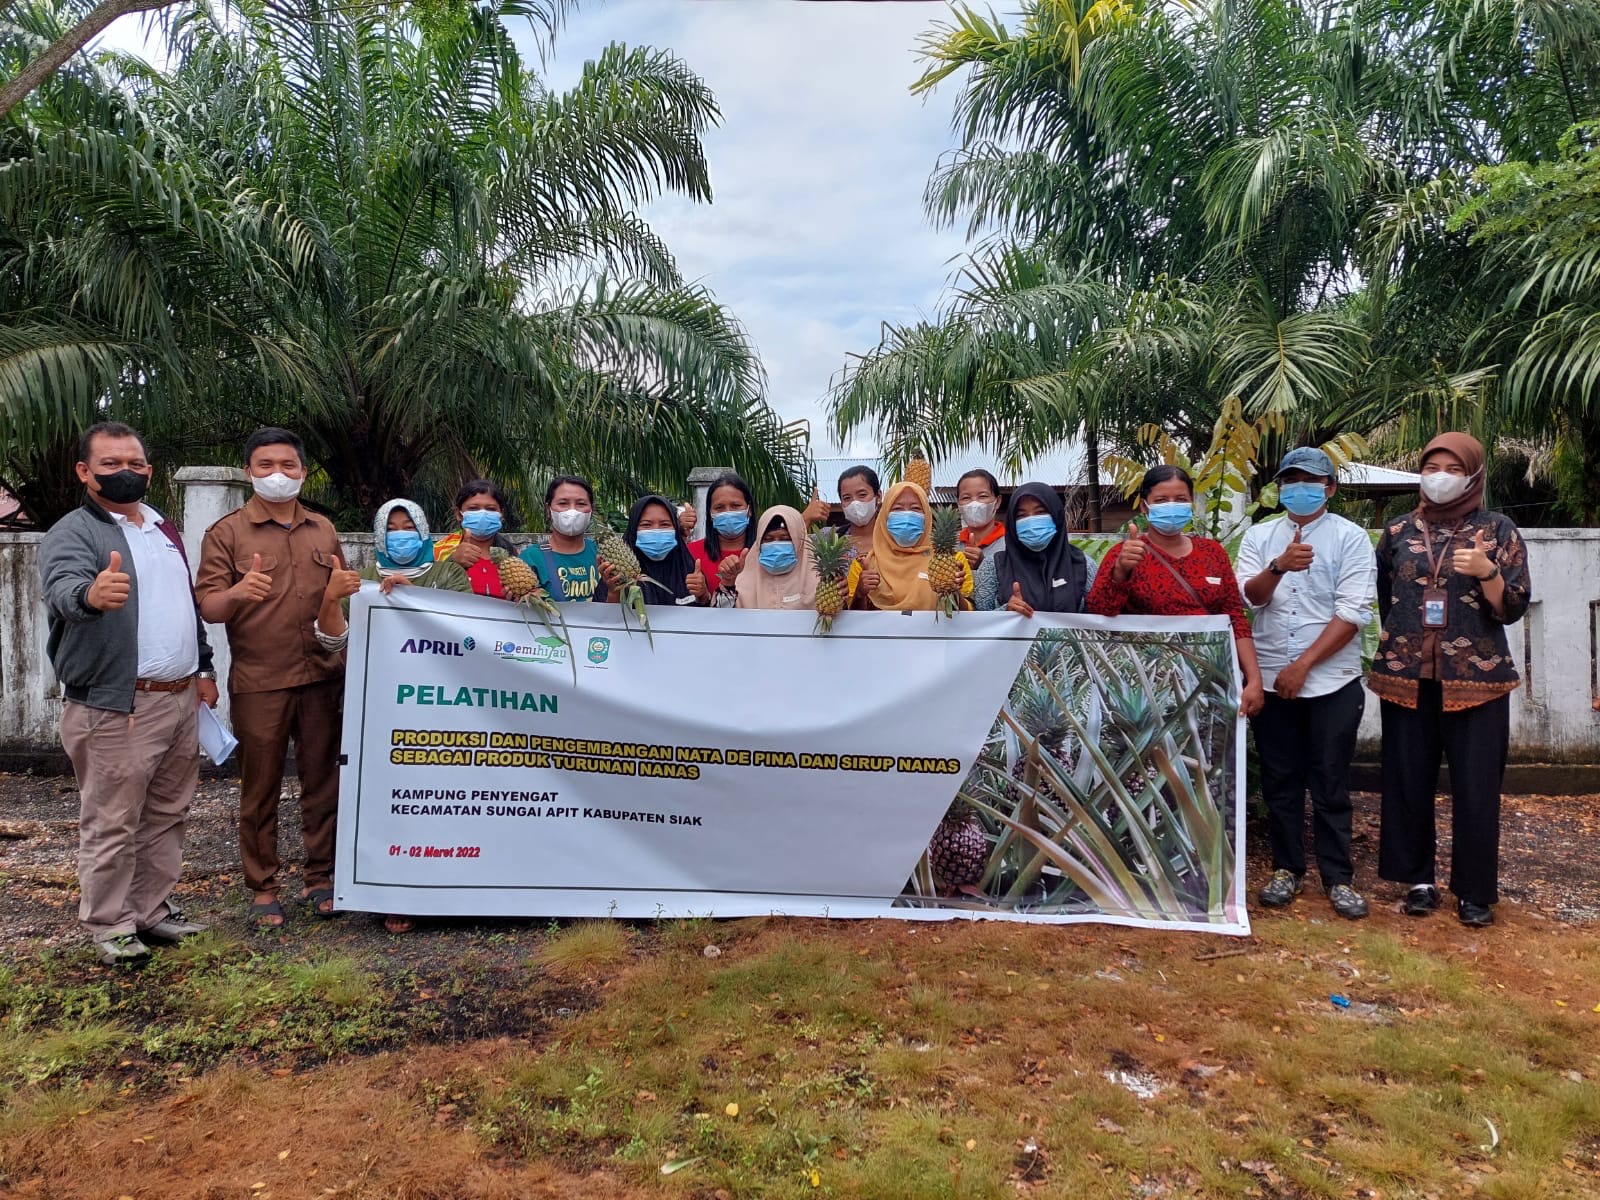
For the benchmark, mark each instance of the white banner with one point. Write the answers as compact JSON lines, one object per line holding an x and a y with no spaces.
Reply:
{"x":734,"y":764}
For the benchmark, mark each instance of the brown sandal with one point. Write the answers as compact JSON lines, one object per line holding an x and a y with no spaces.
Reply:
{"x":395,"y":923}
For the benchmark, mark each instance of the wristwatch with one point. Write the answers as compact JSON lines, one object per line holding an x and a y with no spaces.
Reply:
{"x":211,"y":675}
{"x":1275,"y":568}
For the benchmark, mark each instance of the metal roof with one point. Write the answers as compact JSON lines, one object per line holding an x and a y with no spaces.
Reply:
{"x":1057,"y":468}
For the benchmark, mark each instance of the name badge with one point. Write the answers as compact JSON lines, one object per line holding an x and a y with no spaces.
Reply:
{"x":1435,"y":608}
{"x":1058,"y":583}
{"x":1214,"y":580}
{"x":794,"y":599}
{"x":685,"y":600}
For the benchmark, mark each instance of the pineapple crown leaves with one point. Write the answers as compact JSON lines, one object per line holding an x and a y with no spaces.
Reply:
{"x":830,"y":553}
{"x":945,"y":531}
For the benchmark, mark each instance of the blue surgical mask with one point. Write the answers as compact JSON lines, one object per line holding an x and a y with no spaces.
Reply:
{"x":778,"y":557}
{"x":403,"y":545}
{"x":1303,"y":499}
{"x":1172,"y":517}
{"x":731,"y":524}
{"x":1035,"y":532}
{"x":905,"y":527}
{"x":481,"y":522}
{"x":655,"y":544}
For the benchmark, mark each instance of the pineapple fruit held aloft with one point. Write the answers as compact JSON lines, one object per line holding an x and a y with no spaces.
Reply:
{"x":920,"y":472}
{"x":830,"y":554}
{"x":615,"y":553}
{"x":521,"y":587}
{"x":945,"y":567}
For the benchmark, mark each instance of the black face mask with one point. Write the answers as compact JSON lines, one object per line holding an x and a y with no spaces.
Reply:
{"x":123,"y":487}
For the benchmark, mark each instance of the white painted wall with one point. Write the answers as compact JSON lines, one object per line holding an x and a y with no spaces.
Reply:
{"x":1553,"y":718}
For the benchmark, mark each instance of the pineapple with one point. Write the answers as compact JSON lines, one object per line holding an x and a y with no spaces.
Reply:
{"x":616,"y":553}
{"x":945,"y":574}
{"x":830,"y":553}
{"x":517,"y":579}
{"x":959,"y":852}
{"x":920,"y":472}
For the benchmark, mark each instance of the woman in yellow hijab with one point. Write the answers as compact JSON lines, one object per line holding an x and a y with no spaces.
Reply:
{"x":894,"y":575}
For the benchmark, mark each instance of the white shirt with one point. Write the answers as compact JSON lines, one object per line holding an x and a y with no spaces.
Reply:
{"x":168,"y":646}
{"x":1341,"y":582}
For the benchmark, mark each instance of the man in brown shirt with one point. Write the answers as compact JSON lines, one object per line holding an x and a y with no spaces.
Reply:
{"x":266,"y":571}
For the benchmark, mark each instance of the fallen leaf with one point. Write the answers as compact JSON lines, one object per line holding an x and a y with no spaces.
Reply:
{"x":282,"y":1154}
{"x":732,"y":1110}
{"x":972,"y":1143}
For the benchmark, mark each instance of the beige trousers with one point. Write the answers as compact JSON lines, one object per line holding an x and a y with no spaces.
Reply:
{"x":137,"y":774}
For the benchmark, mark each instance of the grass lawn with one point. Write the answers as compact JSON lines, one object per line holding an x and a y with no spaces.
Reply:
{"x":875,"y":1059}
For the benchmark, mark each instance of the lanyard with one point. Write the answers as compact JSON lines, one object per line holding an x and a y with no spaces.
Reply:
{"x":1435,"y":561}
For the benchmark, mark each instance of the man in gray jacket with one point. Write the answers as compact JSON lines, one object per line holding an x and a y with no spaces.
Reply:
{"x":130,"y":651}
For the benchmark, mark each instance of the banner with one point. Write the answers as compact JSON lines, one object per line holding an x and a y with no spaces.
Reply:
{"x":733,"y":763}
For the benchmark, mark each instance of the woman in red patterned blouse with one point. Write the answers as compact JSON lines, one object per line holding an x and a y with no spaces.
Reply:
{"x":1167,"y":573}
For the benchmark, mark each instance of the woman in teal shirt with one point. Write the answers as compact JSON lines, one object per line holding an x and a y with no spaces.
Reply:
{"x":567,"y":564}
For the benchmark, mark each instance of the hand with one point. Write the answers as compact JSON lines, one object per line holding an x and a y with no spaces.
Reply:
{"x":255,"y":585}
{"x":465,"y":555}
{"x":1130,"y":554}
{"x":817,"y":510}
{"x":870,"y":579}
{"x":389,"y":582}
{"x":728,"y":568}
{"x":1473,"y":560}
{"x":1017,"y":604}
{"x":1290,"y":680}
{"x":974,"y":555}
{"x":110,"y":588}
{"x":612,"y":577}
{"x":341,"y":583}
{"x":1253,"y":699}
{"x":1297,"y":555}
{"x":697,"y":583}
{"x":206,"y":692}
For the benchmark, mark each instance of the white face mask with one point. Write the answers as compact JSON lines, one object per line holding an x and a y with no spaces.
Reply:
{"x":860,"y":512}
{"x":978,"y":514}
{"x":1441,"y":487}
{"x":570,"y":522}
{"x":276,"y":488}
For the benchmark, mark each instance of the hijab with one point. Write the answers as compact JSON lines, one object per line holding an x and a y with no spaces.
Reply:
{"x":796,"y":587}
{"x":1470,"y":451}
{"x":667,"y":578}
{"x":424,"y":561}
{"x":902,"y":570}
{"x":1052,"y":579}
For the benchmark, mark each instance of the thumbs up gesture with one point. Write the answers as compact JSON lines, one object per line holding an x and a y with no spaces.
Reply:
{"x":342,"y":582}
{"x":699,"y":586}
{"x":1017,"y":604}
{"x":1129,"y":555}
{"x":817,"y":510}
{"x":728,"y":568}
{"x":255,"y":584}
{"x":110,"y":588}
{"x":1474,"y":560}
{"x":1297,"y":555}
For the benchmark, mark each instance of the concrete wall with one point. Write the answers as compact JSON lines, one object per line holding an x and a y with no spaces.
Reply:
{"x":1553,"y":715}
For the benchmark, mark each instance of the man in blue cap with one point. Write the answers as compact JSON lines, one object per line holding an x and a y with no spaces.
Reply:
{"x":1312,"y":580}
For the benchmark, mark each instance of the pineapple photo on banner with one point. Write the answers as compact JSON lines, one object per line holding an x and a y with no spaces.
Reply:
{"x":499,"y":761}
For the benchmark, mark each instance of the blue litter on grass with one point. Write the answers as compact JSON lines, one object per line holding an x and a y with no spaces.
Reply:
{"x":1339,"y":1001}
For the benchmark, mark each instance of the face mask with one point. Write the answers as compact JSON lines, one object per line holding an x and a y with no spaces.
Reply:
{"x":1173,"y":517}
{"x":570,"y":522}
{"x":655,"y":544}
{"x":1035,"y":532}
{"x":1303,"y":499}
{"x":122,"y":487}
{"x":860,"y":512}
{"x":1441,"y":487}
{"x":276,"y":488}
{"x":905,"y":527}
{"x":481,"y":522}
{"x":403,"y":545}
{"x":731,"y":524}
{"x":978,"y":514}
{"x":778,"y":557}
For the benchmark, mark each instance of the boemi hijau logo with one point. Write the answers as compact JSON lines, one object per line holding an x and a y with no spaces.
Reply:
{"x":599,"y":649}
{"x":450,"y":649}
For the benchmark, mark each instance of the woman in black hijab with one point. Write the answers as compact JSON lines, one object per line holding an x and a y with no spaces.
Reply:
{"x":1040,"y":569}
{"x":672,"y":576}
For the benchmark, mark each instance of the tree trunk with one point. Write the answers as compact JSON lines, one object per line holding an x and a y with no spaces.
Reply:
{"x":54,"y":55}
{"x":1091,"y":438}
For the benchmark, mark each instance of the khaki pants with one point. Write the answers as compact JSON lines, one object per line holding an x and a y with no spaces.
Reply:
{"x":264,"y":722}
{"x":136,"y":777}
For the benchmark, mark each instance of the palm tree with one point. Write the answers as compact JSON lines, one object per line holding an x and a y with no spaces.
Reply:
{"x":394,"y":239}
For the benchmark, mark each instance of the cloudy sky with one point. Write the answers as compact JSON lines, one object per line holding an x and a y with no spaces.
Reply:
{"x":816,"y":233}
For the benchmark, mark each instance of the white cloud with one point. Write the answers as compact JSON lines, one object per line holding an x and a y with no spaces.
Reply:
{"x":816,"y":233}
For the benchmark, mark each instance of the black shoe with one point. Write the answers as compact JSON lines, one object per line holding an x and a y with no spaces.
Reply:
{"x":1420,"y":901}
{"x":1476,"y":916}
{"x":1283,"y":887}
{"x":1347,"y":902}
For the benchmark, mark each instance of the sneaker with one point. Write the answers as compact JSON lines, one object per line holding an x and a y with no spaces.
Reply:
{"x":1475,"y":916}
{"x":124,"y":950}
{"x":1420,"y":900}
{"x":1283,"y":887}
{"x":172,"y":927}
{"x":1347,"y":902}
